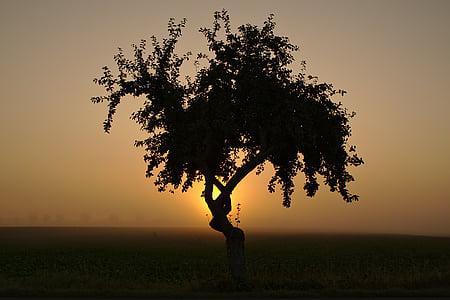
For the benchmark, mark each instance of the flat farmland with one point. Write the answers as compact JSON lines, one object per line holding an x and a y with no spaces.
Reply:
{"x":69,"y":261}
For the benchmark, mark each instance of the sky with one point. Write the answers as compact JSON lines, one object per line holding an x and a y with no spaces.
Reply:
{"x":57,"y":166}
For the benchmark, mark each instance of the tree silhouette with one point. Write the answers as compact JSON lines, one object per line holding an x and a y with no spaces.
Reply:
{"x":243,"y":109}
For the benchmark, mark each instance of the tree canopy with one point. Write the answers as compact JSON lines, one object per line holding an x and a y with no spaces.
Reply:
{"x":243,"y":109}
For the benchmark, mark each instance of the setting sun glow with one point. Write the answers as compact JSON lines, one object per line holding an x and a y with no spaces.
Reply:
{"x":58,"y":167}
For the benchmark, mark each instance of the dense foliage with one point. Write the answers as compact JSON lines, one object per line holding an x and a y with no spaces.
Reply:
{"x":243,"y":109}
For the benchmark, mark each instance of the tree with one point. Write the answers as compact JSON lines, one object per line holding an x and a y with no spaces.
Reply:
{"x":243,"y":109}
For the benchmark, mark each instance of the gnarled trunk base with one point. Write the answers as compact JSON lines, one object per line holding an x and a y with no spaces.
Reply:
{"x":235,"y":239}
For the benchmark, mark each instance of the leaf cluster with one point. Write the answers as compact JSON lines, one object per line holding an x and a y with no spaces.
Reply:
{"x":243,"y":109}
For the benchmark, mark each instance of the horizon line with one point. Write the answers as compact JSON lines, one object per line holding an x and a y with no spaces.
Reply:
{"x":250,"y":229}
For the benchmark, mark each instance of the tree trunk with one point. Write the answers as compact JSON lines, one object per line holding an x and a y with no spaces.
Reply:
{"x":235,"y":248}
{"x":236,"y":255}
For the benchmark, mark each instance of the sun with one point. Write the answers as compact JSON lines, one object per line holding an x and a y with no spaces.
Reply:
{"x":200,"y":204}
{"x":215,"y":193}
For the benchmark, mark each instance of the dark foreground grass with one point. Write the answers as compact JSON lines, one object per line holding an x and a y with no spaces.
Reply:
{"x":147,"y":262}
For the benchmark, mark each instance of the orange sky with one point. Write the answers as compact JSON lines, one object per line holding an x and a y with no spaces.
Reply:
{"x":59,"y":168}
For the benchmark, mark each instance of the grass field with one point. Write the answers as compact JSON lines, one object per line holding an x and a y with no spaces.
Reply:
{"x":162,"y":262}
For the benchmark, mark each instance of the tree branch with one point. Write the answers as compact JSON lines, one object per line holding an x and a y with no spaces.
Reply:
{"x":219,"y":184}
{"x":208,"y":191}
{"x":223,"y":202}
{"x":245,"y":169}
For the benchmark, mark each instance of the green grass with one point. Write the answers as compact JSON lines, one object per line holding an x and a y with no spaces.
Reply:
{"x":146,"y":262}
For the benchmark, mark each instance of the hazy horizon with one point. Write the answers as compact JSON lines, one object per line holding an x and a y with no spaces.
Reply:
{"x":183,"y":230}
{"x":59,"y":168}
